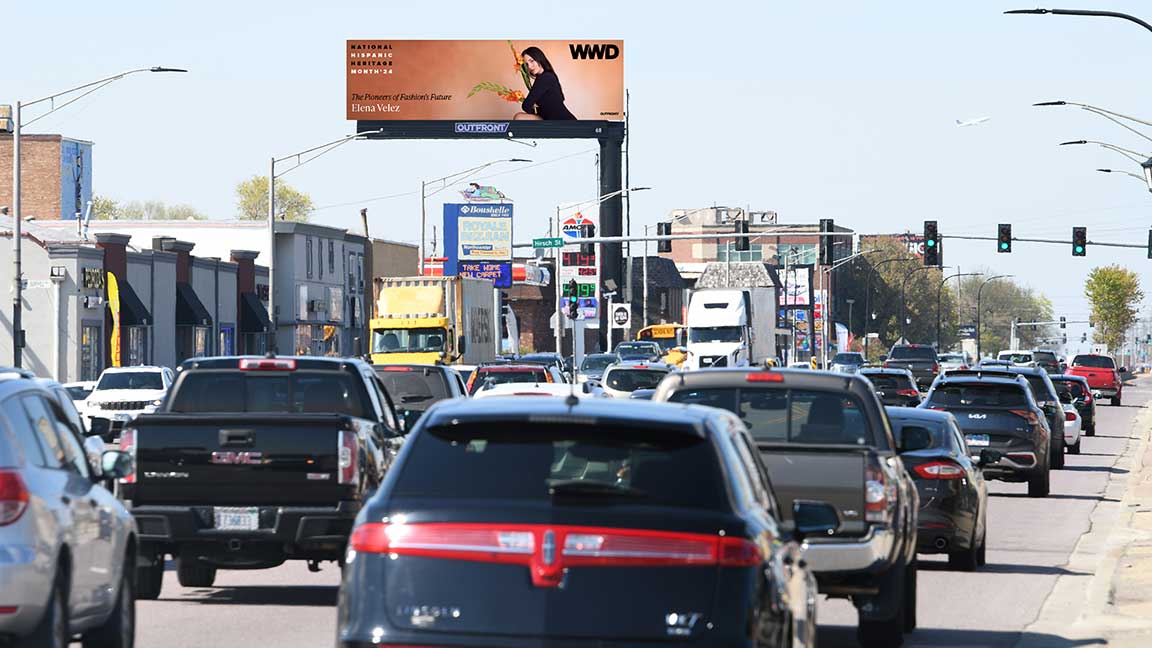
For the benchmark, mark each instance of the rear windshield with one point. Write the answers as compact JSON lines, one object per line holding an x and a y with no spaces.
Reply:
{"x":1040,"y":389}
{"x":413,"y":389}
{"x":978,"y":395}
{"x":789,"y":415}
{"x":522,"y":460}
{"x":78,"y":393}
{"x":1016,"y":357}
{"x":938,"y":431}
{"x":501,"y":377}
{"x":636,"y":348}
{"x":1100,"y":362}
{"x":1072,"y":387}
{"x":951,"y":357}
{"x":539,"y":359}
{"x":888,"y":381}
{"x":598,"y":362}
{"x":300,"y":392}
{"x":1044,"y":356}
{"x":913,"y":353}
{"x":131,"y":380}
{"x":632,"y":379}
{"x":848,"y":358}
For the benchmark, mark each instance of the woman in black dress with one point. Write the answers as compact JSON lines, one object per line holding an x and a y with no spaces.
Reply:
{"x":546,"y":98}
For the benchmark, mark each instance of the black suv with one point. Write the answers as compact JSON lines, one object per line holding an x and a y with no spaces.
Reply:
{"x":1044,"y":393}
{"x":996,"y":411}
{"x":894,"y":387}
{"x":542,"y":521}
{"x":1075,"y":390}
{"x":920,"y":359}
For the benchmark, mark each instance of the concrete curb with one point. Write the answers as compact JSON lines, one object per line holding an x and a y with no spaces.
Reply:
{"x":1085,"y":608}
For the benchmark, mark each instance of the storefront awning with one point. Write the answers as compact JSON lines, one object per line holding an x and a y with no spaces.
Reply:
{"x":132,"y":310}
{"x":189,"y":310}
{"x":253,"y":314}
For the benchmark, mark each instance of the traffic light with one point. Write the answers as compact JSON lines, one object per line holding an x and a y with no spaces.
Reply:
{"x":742,"y":242}
{"x":825,"y":245}
{"x":1079,"y":241}
{"x":587,"y":231}
{"x":1083,"y":338}
{"x":1150,"y":244}
{"x":663,"y":229}
{"x":573,"y":300}
{"x":931,"y":244}
{"x":1004,"y":237}
{"x":1063,"y":322}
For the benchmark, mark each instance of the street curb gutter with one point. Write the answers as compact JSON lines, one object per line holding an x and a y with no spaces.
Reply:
{"x":1083,"y":607}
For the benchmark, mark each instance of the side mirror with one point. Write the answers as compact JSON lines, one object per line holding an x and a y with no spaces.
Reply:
{"x":407,"y":420}
{"x":811,"y":517}
{"x":94,"y":451}
{"x":915,"y":437}
{"x":461,"y":345}
{"x":1123,"y":369}
{"x":989,"y":456}
{"x":116,"y":464}
{"x":883,"y":358}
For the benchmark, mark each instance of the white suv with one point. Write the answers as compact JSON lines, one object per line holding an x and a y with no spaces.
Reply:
{"x":121,"y":394}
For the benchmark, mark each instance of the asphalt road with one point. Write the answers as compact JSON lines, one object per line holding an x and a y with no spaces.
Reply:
{"x":1029,"y":542}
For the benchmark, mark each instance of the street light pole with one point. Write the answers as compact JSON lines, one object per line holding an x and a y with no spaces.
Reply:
{"x":979,"y":291}
{"x":1083,"y":12}
{"x":904,"y":298}
{"x":874,"y":269}
{"x":17,"y":216}
{"x":939,"y":294}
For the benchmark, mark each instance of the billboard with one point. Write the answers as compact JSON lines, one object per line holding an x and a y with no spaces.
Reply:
{"x":478,"y":241}
{"x":484,"y":80}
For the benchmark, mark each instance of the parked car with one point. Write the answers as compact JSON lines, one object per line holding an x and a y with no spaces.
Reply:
{"x":826,"y":436}
{"x":495,"y":374}
{"x":594,"y":364}
{"x":1046,"y":360}
{"x":950,"y":361}
{"x":920,"y":359}
{"x":69,"y":544}
{"x":642,"y":351}
{"x":123,"y":393}
{"x":1076,"y":388}
{"x":620,"y":380}
{"x":896,"y":387}
{"x":535,"y":522}
{"x":848,"y":362}
{"x":1101,"y":373}
{"x":996,"y":410}
{"x":253,"y":461}
{"x":953,"y":517}
{"x":415,"y":388}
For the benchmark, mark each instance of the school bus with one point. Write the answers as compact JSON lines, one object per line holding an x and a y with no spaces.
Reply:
{"x":668,"y":336}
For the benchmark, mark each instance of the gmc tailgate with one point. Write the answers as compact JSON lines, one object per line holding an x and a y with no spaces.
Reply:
{"x":831,"y":473}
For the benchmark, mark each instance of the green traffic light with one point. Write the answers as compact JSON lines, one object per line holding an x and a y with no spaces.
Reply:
{"x":1003,"y":246}
{"x":930,"y":242}
{"x":1079,"y":248}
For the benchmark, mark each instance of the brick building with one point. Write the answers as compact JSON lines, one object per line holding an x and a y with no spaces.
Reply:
{"x":56,"y":175}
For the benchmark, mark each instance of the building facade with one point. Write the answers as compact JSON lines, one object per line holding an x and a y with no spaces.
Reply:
{"x":55,"y":172}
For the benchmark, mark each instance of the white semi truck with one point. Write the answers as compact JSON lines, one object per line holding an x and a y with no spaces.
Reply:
{"x":731,"y":327}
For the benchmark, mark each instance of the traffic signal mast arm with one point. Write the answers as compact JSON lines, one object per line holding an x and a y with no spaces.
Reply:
{"x":790,"y":234}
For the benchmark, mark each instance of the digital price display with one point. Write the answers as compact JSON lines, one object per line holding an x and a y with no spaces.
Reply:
{"x":582,"y":290}
{"x":579,"y":260}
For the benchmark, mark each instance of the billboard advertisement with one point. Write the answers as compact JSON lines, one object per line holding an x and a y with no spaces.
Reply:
{"x":478,"y":241}
{"x":485,"y":80}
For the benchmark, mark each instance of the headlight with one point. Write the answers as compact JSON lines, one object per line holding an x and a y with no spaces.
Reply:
{"x":156,"y":403}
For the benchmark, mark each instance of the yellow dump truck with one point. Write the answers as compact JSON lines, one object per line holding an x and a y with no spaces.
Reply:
{"x":429,"y":320}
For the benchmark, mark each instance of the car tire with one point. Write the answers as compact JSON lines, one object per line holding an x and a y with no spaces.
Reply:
{"x":1040,"y":485}
{"x":1074,"y":448}
{"x":982,"y":553}
{"x":966,"y":560}
{"x":119,"y":630}
{"x":53,"y":629}
{"x":150,"y":579}
{"x":1090,"y":430}
{"x":193,"y":573}
{"x":1057,"y":457}
{"x":910,"y":595}
{"x":1115,"y":401}
{"x":887,"y":633}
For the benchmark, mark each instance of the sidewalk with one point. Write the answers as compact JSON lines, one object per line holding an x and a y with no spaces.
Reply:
{"x":1114,"y":606}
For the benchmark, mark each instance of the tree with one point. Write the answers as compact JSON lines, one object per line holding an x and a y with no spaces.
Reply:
{"x":1113,"y":292}
{"x":1001,"y":302}
{"x":104,"y":208}
{"x":252,"y":200}
{"x":185,"y":212}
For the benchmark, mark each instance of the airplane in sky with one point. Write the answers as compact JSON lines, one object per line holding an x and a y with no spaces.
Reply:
{"x":971,"y":122}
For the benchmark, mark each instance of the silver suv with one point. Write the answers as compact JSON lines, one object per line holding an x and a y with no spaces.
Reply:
{"x":70,"y":545}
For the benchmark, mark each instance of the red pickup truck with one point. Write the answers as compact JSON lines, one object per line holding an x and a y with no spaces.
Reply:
{"x":1100,"y":371}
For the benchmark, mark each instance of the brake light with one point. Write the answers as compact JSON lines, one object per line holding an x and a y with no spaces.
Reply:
{"x":963,"y":367}
{"x":879,"y":496}
{"x":886,"y":365}
{"x":13,"y":496}
{"x":1087,"y":397}
{"x":267,"y":364}
{"x":1027,"y":415}
{"x":939,"y":470}
{"x":547,"y":377}
{"x":765,"y":376}
{"x":128,"y":445}
{"x":908,"y":392}
{"x":935,"y":367}
{"x":1069,"y":416}
{"x":396,"y":368}
{"x":349,"y":452}
{"x":471,"y":379}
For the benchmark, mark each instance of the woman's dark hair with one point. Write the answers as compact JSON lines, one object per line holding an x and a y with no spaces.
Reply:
{"x":538,"y":55}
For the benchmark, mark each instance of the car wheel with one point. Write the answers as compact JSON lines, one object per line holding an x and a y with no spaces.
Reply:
{"x":150,"y":578}
{"x":1040,"y":485}
{"x":910,"y":587}
{"x":982,"y":553}
{"x":1074,"y":448}
{"x":119,"y":631}
{"x":1090,"y":430}
{"x":53,"y":629}
{"x":1115,"y":401}
{"x":887,"y":633}
{"x":968,"y":559}
{"x":193,"y":573}
{"x":1057,"y":459}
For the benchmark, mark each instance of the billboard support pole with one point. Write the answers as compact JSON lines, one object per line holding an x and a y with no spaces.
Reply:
{"x":611,"y":220}
{"x":556,"y":283}
{"x":423,"y":220}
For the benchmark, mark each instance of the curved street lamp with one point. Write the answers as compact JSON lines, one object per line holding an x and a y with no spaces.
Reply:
{"x":1144,"y":161}
{"x":939,"y":292}
{"x":978,"y":295}
{"x":1110,"y":115}
{"x":1082,"y":12}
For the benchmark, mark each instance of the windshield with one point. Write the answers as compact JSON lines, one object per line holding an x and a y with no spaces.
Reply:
{"x":301,"y":392}
{"x":666,"y":343}
{"x":501,"y":377}
{"x":1074,"y":388}
{"x":936,"y":431}
{"x":889,"y":381}
{"x":700,"y":335}
{"x":848,"y":358}
{"x":1018,"y":358}
{"x":597,"y":362}
{"x":1095,"y":361}
{"x":78,"y":393}
{"x":913,"y":353}
{"x":416,"y":340}
{"x":543,"y":462}
{"x":633,"y":379}
{"x":1044,"y":356}
{"x":952,"y":357}
{"x":131,"y":380}
{"x":789,"y":415}
{"x":978,"y":395}
{"x":414,"y":389}
{"x":636,"y":348}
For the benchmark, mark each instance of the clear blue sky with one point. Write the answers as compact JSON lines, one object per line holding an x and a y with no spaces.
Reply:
{"x":813,"y":110}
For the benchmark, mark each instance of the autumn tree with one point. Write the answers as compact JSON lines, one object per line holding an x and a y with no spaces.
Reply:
{"x":1002,"y":301}
{"x":1113,"y":293}
{"x":105,"y":208}
{"x":252,"y":200}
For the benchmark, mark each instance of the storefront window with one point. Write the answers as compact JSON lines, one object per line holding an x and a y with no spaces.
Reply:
{"x":303,"y":339}
{"x":200,"y":341}
{"x":91,"y":358}
{"x":255,"y":343}
{"x":227,"y":340}
{"x":137,"y":352}
{"x":329,"y":341}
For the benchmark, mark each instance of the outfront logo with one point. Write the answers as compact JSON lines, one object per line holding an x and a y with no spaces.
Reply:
{"x":602,"y":51}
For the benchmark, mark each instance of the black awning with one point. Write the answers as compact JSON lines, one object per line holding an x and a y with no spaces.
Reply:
{"x":189,"y":310}
{"x":253,"y":314}
{"x":132,"y":310}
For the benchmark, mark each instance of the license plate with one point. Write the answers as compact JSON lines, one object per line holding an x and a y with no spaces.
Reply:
{"x":977,"y":439}
{"x":237,"y":518}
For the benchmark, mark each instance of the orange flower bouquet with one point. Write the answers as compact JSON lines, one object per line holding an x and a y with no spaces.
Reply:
{"x":503,"y":91}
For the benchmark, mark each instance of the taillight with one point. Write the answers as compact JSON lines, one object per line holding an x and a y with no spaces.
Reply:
{"x":128,"y":445}
{"x":396,"y":368}
{"x":547,"y":377}
{"x":267,"y":364}
{"x":886,"y":365}
{"x":471,"y":379}
{"x":765,"y":376}
{"x":935,"y":368}
{"x":349,"y":458}
{"x":1069,"y":416}
{"x":13,"y":496}
{"x":939,"y":470}
{"x":879,"y":497}
{"x":1028,"y":415}
{"x":908,"y":392}
{"x":1087,"y":397}
{"x":963,"y":367}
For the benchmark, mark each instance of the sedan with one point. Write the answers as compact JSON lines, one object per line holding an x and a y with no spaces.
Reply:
{"x":849,"y":362}
{"x":953,"y":495}
{"x":1072,"y":427}
{"x":894,"y":387}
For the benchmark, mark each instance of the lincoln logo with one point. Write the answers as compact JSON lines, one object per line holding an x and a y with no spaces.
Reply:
{"x":594,"y":51}
{"x":238,"y":458}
